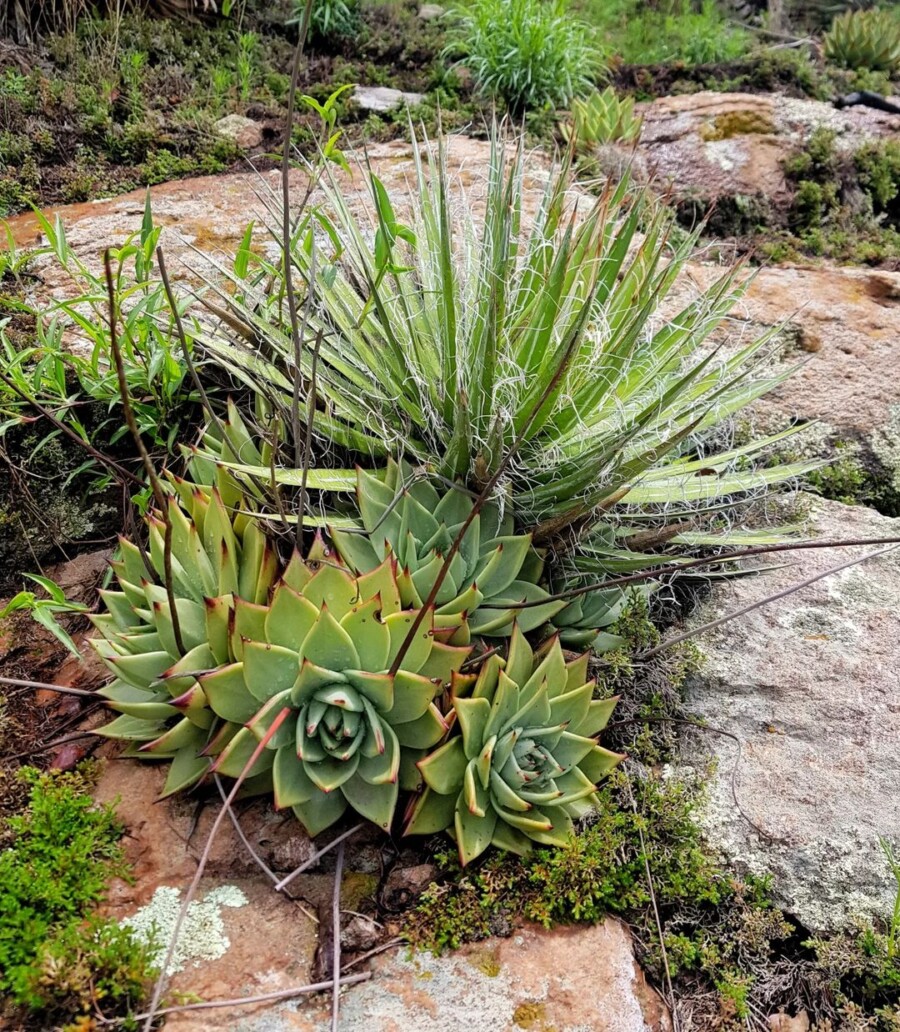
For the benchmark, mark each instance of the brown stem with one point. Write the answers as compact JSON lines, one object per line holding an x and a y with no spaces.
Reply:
{"x":155,"y":485}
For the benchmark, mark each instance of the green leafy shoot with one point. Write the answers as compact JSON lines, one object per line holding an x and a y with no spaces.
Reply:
{"x":46,"y":610}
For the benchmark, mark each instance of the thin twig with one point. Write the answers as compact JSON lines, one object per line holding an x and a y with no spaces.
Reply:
{"x":204,"y":858}
{"x":762,"y":602}
{"x":272,"y":876}
{"x":158,"y":493}
{"x":675,"y":568}
{"x":241,"y":1001}
{"x":307,"y":444}
{"x":317,"y":856}
{"x":44,"y":686}
{"x":286,"y":234}
{"x":336,"y":941}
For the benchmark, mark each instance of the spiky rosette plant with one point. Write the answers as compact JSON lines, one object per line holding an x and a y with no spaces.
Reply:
{"x":526,"y":760}
{"x":865,"y":39}
{"x":493,"y":570}
{"x":316,"y":642}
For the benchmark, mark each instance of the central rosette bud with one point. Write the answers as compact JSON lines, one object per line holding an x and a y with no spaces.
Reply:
{"x":530,"y":765}
{"x":337,"y":720}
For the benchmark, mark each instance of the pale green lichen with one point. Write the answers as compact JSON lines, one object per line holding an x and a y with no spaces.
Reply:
{"x":202,"y":933}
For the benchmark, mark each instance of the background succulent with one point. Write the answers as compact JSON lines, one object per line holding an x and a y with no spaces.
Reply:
{"x":494,"y":568}
{"x":525,"y":761}
{"x":314,"y":640}
{"x":865,"y":39}
{"x":602,"y":117}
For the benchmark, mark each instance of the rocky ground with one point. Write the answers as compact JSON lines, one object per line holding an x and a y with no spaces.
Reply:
{"x":809,"y":684}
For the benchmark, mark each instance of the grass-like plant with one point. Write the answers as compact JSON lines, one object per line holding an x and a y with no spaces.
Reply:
{"x":329,"y":20}
{"x":526,"y":53}
{"x":452,"y":342}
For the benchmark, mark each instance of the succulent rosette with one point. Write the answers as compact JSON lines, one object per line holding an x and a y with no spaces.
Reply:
{"x":525,"y":762}
{"x":493,"y":571}
{"x":316,"y":642}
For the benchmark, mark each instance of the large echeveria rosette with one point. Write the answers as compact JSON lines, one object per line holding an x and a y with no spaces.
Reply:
{"x":315,"y":641}
{"x":525,"y":762}
{"x":493,"y":571}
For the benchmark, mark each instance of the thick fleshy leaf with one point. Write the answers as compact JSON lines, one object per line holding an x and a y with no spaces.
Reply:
{"x":297,"y":574}
{"x":143,"y":670}
{"x":572,"y":749}
{"x":181,"y":675}
{"x":228,"y":695}
{"x":384,"y":766}
{"x":330,"y":773}
{"x":329,"y":645}
{"x":218,"y":615}
{"x":370,"y":635}
{"x":473,"y":833}
{"x":180,"y":735}
{"x":376,"y":803}
{"x":289,"y":619}
{"x":444,"y":661}
{"x":138,"y":702}
{"x":131,"y":729}
{"x":333,"y":589}
{"x":269,"y":669}
{"x":261,"y":723}
{"x":430,"y":814}
{"x":377,"y":688}
{"x":310,"y":680}
{"x":382,"y":583}
{"x":320,"y":811}
{"x":599,"y":712}
{"x":237,"y":754}
{"x":597,"y":763}
{"x":399,"y":625}
{"x":413,"y":695}
{"x":290,"y":781}
{"x":186,"y":769}
{"x":571,"y":708}
{"x":424,"y":731}
{"x":194,"y":705}
{"x":443,"y":769}
{"x":473,"y":716}
{"x":511,"y":839}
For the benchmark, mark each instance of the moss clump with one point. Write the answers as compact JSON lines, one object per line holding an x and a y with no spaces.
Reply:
{"x":737,"y":123}
{"x":56,"y":959}
{"x":846,"y":205}
{"x":862,"y":968}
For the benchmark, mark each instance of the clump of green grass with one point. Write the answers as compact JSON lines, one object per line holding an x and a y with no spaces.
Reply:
{"x":330,"y":21}
{"x":674,"y":30}
{"x":60,"y":853}
{"x":526,"y":53}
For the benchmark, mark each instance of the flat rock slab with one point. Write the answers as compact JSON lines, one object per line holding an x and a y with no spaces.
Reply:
{"x":712,"y":144}
{"x":810,"y":685}
{"x":567,"y":980}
